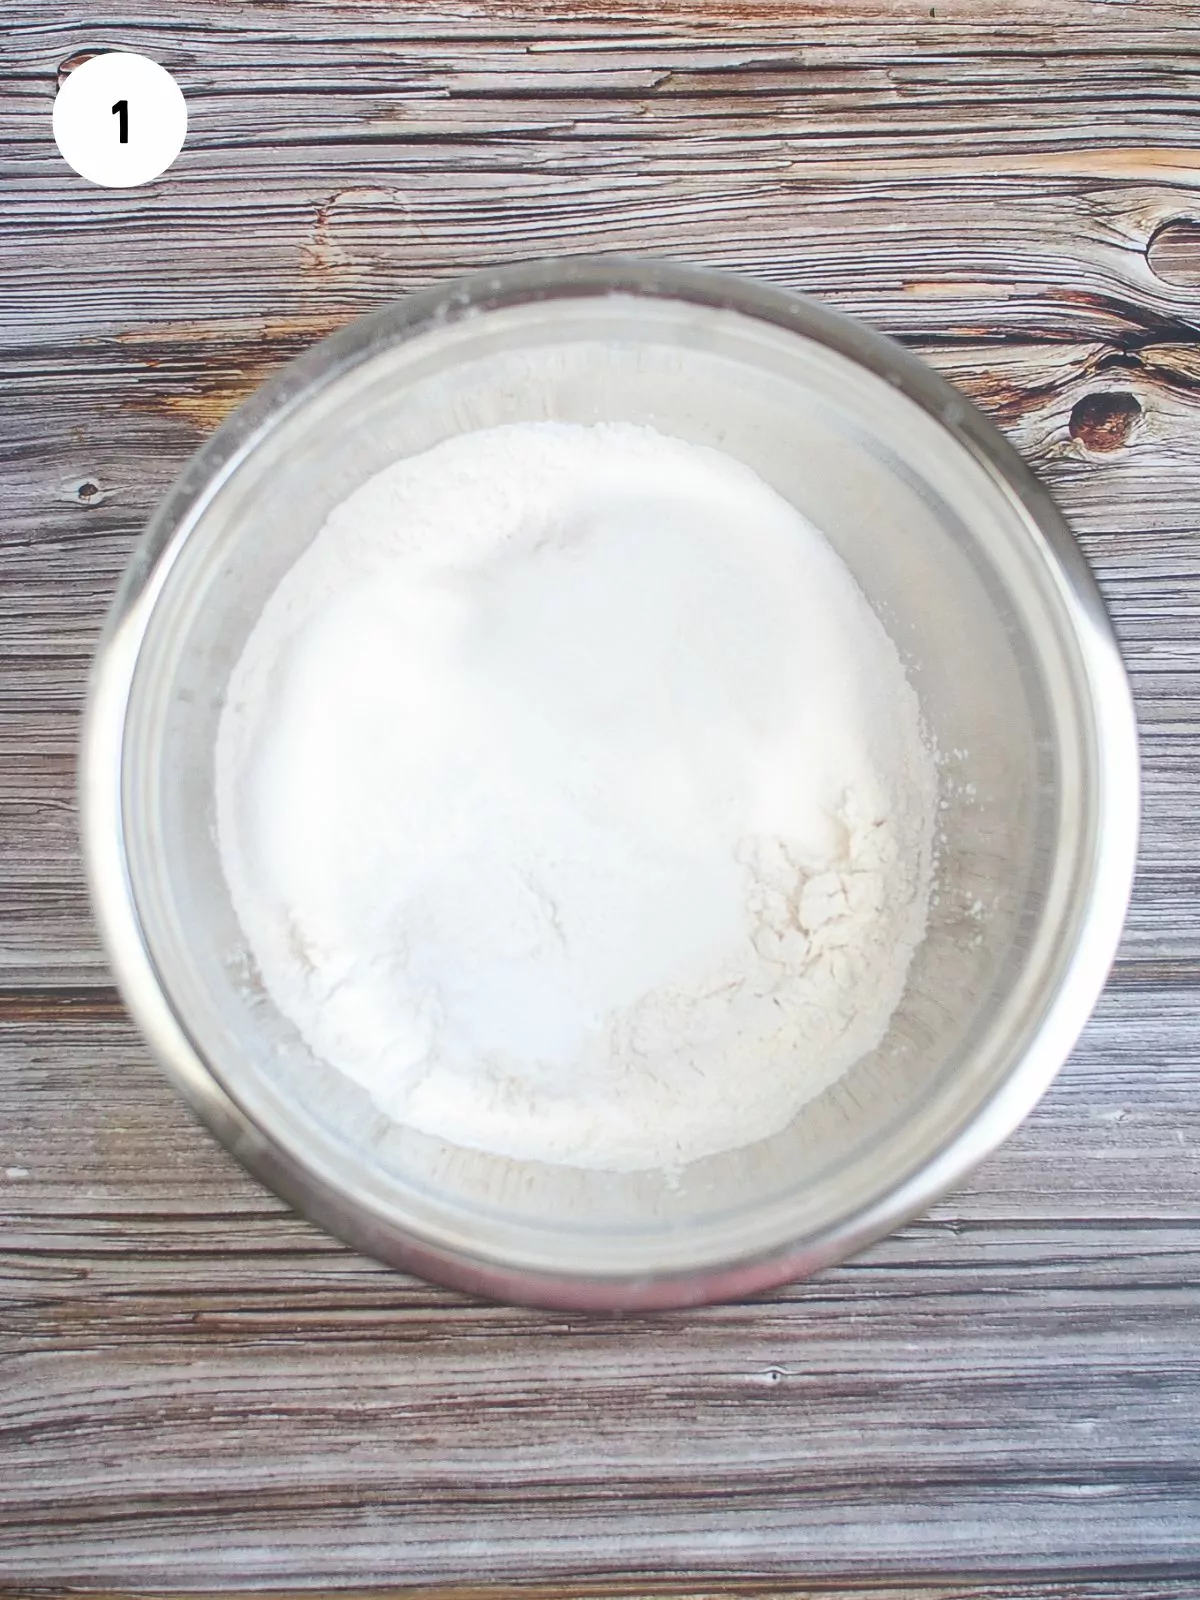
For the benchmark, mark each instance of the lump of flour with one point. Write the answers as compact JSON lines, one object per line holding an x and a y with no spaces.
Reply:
{"x":573,"y":801}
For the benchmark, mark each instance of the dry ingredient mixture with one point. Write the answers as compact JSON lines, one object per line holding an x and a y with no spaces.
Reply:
{"x":573,"y":801}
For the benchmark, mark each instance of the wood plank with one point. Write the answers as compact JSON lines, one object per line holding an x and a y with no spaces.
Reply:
{"x":659,"y":1589}
{"x":188,"y":1365}
{"x":768,"y":138}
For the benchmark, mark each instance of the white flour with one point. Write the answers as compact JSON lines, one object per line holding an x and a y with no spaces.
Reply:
{"x":573,"y":800}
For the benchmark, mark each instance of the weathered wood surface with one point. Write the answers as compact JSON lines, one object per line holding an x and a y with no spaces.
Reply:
{"x":201,"y":1391}
{"x":659,"y":1589}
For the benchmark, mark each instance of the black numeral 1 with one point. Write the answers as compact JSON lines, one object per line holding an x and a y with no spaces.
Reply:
{"x":121,"y":112}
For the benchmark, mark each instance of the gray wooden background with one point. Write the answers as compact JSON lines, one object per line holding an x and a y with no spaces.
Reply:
{"x":199,"y":1390}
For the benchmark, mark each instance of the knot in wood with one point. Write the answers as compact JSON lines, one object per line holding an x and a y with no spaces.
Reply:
{"x":1103,"y":422}
{"x":67,"y":66}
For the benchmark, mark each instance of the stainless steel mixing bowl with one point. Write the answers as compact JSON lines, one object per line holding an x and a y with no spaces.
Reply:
{"x":966,"y":561}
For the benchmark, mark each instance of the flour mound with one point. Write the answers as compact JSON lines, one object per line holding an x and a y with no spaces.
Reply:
{"x":573,"y":800}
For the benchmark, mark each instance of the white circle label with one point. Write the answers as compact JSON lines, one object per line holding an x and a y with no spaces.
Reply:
{"x":120,"y":119}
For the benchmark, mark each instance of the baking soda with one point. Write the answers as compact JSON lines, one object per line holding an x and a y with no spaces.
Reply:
{"x":573,"y":800}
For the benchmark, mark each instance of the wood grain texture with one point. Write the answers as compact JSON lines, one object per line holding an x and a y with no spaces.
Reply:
{"x":1001,"y":1402}
{"x":657,"y":1589}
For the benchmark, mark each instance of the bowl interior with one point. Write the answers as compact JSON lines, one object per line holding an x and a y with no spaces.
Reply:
{"x":955,"y":568}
